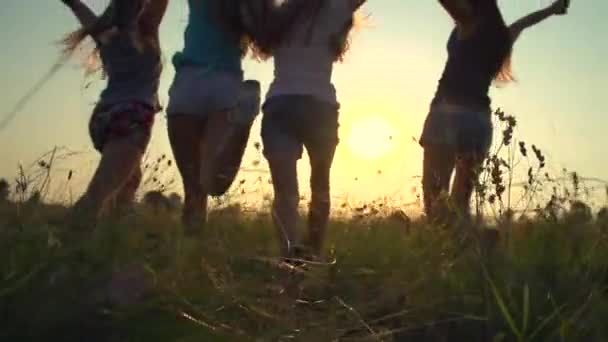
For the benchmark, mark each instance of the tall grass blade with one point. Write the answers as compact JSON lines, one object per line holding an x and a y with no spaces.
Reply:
{"x":506,"y":313}
{"x":526,"y":306}
{"x":545,"y":322}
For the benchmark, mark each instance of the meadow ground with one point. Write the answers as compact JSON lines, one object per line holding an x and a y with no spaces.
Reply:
{"x":139,"y":278}
{"x":536,"y":270}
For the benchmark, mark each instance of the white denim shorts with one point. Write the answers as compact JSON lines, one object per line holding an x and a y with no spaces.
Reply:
{"x":198,"y":91}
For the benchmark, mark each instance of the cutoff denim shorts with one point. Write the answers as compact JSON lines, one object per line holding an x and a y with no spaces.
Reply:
{"x":292,"y":122}
{"x":132,"y":120}
{"x":198,"y":91}
{"x":465,"y":132}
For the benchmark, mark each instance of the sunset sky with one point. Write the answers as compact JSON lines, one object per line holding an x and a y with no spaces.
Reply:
{"x":385,"y":86}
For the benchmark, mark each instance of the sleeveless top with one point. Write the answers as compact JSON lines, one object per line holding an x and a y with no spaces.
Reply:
{"x":303,"y":64}
{"x":133,"y":72}
{"x":470,"y":69}
{"x":206,"y":44}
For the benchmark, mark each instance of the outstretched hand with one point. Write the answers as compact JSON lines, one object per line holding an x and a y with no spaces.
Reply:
{"x":560,"y":7}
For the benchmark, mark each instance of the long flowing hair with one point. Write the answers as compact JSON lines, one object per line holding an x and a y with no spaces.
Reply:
{"x":341,"y":41}
{"x":275,"y":24}
{"x":227,"y":14}
{"x":499,"y":48}
{"x":119,"y":15}
{"x":267,"y":23}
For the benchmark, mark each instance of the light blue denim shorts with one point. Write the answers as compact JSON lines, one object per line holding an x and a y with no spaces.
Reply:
{"x":198,"y":91}
{"x":463,"y":131}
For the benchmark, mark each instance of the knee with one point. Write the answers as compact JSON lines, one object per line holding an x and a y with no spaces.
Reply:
{"x":321,"y":197}
{"x":430,"y":180}
{"x":320,"y":183}
{"x":286,"y":199}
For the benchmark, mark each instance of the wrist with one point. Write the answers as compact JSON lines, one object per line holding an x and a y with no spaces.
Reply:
{"x":558,"y":9}
{"x":70,"y":3}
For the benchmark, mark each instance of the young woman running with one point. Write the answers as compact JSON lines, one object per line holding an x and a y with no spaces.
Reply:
{"x":127,"y":43}
{"x":301,"y":111}
{"x":457,"y":133}
{"x":205,"y":97}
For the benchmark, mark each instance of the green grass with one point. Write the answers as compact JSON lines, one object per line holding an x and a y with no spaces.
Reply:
{"x":543,"y":281}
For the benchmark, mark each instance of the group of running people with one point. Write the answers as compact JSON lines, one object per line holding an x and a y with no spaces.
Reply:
{"x":305,"y":38}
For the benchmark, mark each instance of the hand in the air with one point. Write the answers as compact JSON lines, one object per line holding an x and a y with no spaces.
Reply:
{"x":560,"y":7}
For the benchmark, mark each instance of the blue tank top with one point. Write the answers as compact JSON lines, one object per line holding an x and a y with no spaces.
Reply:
{"x":470,"y":69}
{"x":133,"y":73}
{"x":206,"y":44}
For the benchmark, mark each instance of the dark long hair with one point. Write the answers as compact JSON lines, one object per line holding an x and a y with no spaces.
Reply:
{"x":340,"y":42}
{"x":228,"y":16}
{"x":119,"y":15}
{"x":276,"y":23}
{"x":269,"y":22}
{"x":499,"y":45}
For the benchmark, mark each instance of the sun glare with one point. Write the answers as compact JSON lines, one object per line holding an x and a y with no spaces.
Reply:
{"x":371,"y":137}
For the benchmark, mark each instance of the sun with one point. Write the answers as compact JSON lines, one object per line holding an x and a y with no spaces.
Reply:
{"x":371,"y":137}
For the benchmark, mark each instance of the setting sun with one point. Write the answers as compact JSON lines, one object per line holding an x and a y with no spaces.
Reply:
{"x":370,"y":137}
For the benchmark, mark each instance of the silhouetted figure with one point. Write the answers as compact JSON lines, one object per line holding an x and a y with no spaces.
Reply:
{"x":301,"y":112}
{"x":127,"y":43}
{"x":457,"y":133}
{"x":211,"y":108}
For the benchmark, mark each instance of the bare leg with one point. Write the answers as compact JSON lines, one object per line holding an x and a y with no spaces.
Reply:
{"x":286,"y":199}
{"x":223,"y":149}
{"x":321,"y":160}
{"x":125,"y":198}
{"x":438,"y":166}
{"x":186,"y":136}
{"x":119,"y":159}
{"x":467,"y":172}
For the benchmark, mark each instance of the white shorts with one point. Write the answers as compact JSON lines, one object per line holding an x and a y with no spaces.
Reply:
{"x":198,"y":91}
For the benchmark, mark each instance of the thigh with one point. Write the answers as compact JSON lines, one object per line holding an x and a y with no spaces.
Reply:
{"x":222,"y":151}
{"x":282,"y":149}
{"x":321,"y":143}
{"x":438,"y":164}
{"x":468,"y":165}
{"x":473,"y":135}
{"x":319,"y":131}
{"x":185,"y":135}
{"x":437,"y":130}
{"x":280,"y":139}
{"x":321,"y":160}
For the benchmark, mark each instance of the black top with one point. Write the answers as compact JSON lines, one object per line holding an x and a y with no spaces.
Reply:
{"x":471,"y":67}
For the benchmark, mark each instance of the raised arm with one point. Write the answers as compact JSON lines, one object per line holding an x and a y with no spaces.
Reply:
{"x":83,"y":13}
{"x":559,"y":7}
{"x":153,"y":15}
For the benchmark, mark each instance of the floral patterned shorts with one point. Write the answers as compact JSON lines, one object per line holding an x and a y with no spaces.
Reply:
{"x":129,"y":120}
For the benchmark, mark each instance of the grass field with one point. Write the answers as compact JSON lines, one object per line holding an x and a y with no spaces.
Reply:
{"x":535,"y":269}
{"x":140,"y":279}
